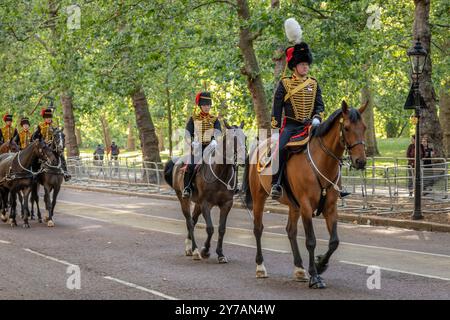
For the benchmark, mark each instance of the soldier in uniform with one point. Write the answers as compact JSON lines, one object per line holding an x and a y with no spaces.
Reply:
{"x":201,"y":129}
{"x":7,"y":132}
{"x":23,"y":139}
{"x":44,"y":131}
{"x":299,"y":96}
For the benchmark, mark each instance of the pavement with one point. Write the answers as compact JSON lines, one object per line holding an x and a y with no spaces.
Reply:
{"x":129,"y":247}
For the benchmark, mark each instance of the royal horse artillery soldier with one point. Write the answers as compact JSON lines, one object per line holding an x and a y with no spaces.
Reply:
{"x":44,"y":131}
{"x":23,"y":138}
{"x":202,"y":127}
{"x":7,"y":132}
{"x":299,"y":96}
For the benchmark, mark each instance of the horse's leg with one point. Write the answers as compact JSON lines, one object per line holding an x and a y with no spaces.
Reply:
{"x":224,"y":210}
{"x":291,"y":229}
{"x":206,"y":212}
{"x":331,"y":220}
{"x":4,"y":195}
{"x":315,"y":280}
{"x":35,"y":199}
{"x":50,"y":222}
{"x":188,"y":242}
{"x":21,"y":204}
{"x":25,"y":198}
{"x":47,"y":190}
{"x":186,"y":208}
{"x":258,"y":227}
{"x":12,"y":212}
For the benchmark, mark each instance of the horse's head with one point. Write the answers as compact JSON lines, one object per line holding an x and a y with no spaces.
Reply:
{"x":13,"y":147}
{"x":59,"y":141}
{"x":352,"y":129}
{"x":235,"y":140}
{"x":44,"y":152}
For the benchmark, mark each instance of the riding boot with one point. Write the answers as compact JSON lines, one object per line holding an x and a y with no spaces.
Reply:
{"x":188,"y":175}
{"x":277,"y":191}
{"x":67,"y":176}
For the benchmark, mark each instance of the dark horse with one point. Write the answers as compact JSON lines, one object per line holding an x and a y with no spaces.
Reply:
{"x":16,"y":175}
{"x":51,"y":177}
{"x":313,"y":178}
{"x":9,"y":146}
{"x":215,"y":185}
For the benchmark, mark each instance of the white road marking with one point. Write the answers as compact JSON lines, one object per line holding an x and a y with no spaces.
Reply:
{"x":135,"y":286}
{"x":396,"y":270}
{"x":49,"y":257}
{"x":247,"y":230}
{"x":254,"y":247}
{"x":5,"y":242}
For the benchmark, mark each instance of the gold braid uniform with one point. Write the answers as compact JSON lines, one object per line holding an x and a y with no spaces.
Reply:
{"x":24,"y":138}
{"x":204,"y":122}
{"x":46,"y":132}
{"x":8,"y":133}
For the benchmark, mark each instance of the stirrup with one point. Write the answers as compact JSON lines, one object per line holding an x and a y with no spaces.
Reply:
{"x":187,"y":192}
{"x":276,"y":191}
{"x":67,"y":176}
{"x":344,"y":194}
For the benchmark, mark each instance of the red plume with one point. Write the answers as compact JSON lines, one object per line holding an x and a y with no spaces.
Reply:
{"x":197,"y":98}
{"x":42,"y":112}
{"x":4,"y":117}
{"x":289,"y":53}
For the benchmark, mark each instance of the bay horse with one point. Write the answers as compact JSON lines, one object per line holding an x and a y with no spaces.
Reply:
{"x":51,"y":177}
{"x":9,"y":146}
{"x":215,"y":185}
{"x":313,"y":179}
{"x":16,"y":175}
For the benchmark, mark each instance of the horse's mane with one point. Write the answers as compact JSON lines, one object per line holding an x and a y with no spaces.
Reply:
{"x":325,"y":126}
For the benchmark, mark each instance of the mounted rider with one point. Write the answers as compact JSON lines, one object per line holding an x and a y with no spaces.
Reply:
{"x":44,"y":131}
{"x":299,"y":96}
{"x":201,"y":129}
{"x":23,"y":139}
{"x":8,"y":132}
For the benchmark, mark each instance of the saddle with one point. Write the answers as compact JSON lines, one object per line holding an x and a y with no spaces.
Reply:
{"x":299,"y":139}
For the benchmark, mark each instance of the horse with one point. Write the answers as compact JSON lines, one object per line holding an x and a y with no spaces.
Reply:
{"x":311,"y":182}
{"x":16,"y":175}
{"x":215,"y":185}
{"x":51,"y":177}
{"x":9,"y":146}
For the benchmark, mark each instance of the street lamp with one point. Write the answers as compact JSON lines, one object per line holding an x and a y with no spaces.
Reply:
{"x":418,"y":56}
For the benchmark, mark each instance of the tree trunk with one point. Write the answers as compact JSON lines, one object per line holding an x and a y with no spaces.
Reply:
{"x":161,"y":139}
{"x":106,"y":135}
{"x":149,"y":140}
{"x":78,"y":135}
{"x":131,"y":141}
{"x":169,"y":114}
{"x":69,"y":125}
{"x":371,"y":140}
{"x":444,"y":103}
{"x":429,"y":121}
{"x":251,"y":68}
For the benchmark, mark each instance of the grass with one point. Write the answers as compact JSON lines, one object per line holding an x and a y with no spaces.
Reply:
{"x":391,"y":148}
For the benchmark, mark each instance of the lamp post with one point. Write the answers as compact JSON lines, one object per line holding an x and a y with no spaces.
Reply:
{"x":417,"y":55}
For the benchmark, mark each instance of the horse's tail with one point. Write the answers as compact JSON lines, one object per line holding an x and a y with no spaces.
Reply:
{"x":246,"y":184}
{"x":168,"y":170}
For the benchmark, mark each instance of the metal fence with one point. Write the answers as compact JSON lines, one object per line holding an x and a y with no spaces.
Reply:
{"x":386,"y":185}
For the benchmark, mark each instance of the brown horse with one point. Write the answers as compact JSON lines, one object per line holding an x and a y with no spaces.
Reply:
{"x":9,"y":146}
{"x":310,"y":176}
{"x":215,"y":185}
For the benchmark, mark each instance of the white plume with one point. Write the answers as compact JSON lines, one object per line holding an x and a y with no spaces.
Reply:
{"x":293,"y":30}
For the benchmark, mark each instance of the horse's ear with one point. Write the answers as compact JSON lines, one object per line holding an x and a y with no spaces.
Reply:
{"x":242,"y":124}
{"x":363,"y":107}
{"x":344,"y":107}
{"x":225,"y":122}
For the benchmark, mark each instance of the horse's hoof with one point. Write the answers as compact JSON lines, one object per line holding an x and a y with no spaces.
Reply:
{"x":26,"y":225}
{"x":13,"y":223}
{"x":261,"y":271}
{"x":32,"y":218}
{"x":46,"y":219}
{"x":205,"y":253}
{"x":188,"y":247}
{"x":3,"y":218}
{"x":300,"y":275}
{"x":50,"y":223}
{"x":40,"y":220}
{"x":316,"y":282}
{"x":222,"y":259}
{"x":196,"y":255}
{"x":320,"y":266}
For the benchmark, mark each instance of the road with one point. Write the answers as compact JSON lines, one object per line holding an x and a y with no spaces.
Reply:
{"x":133,"y":248}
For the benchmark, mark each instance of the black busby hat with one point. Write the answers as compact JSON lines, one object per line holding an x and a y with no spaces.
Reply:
{"x":203,"y":99}
{"x":47,"y":113}
{"x":24,"y":120}
{"x":7,"y":117}
{"x":300,"y":51}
